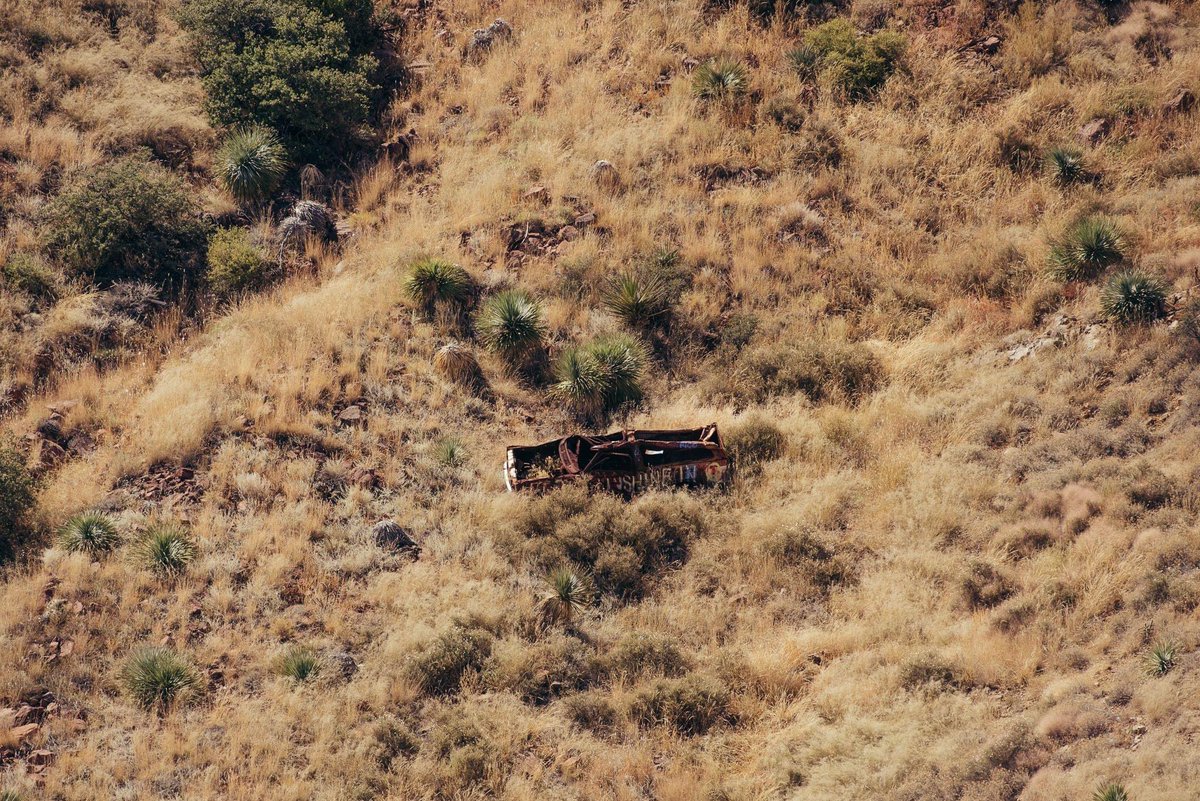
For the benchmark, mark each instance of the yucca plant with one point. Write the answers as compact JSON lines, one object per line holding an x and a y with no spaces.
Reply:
{"x":1086,"y":249}
{"x":251,"y":163}
{"x":567,"y":594}
{"x":720,"y":80}
{"x":1161,"y":658}
{"x":450,"y":453}
{"x":511,"y":324}
{"x":1132,"y":296}
{"x":159,"y":679}
{"x":1066,"y":165}
{"x":1110,"y":792}
{"x":166,"y":549}
{"x":298,"y":664}
{"x":434,"y":281}
{"x":805,"y":61}
{"x":600,"y":377}
{"x":639,"y":302}
{"x":92,"y":533}
{"x":11,"y":795}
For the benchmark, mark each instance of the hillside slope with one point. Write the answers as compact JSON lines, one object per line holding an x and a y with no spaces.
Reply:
{"x":947,"y":583}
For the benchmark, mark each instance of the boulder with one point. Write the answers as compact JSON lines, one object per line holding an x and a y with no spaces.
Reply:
{"x":343,"y":664}
{"x":1094,"y":131}
{"x":604,"y":174}
{"x":483,"y":39}
{"x":1180,"y":103}
{"x":307,"y":219}
{"x":390,"y":534}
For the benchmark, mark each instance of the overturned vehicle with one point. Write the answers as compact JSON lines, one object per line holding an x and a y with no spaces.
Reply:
{"x":623,"y":461}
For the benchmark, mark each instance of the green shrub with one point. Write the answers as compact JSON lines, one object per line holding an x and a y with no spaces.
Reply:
{"x":592,"y":711}
{"x":92,"y":533}
{"x":623,"y":546}
{"x":16,"y":499}
{"x":1086,"y":249}
{"x":601,"y":377}
{"x":511,"y":324}
{"x":160,"y":679}
{"x":1110,"y":792}
{"x":754,"y":441}
{"x":1161,"y":658}
{"x":128,"y":220}
{"x":720,"y":80}
{"x":235,"y":263}
{"x":857,"y":65}
{"x":1132,"y":296}
{"x":298,"y":663}
{"x":640,"y":302}
{"x":1066,"y":165}
{"x":251,"y":162}
{"x":691,"y":705}
{"x":303,"y":68}
{"x":640,"y":652}
{"x":439,"y":667}
{"x":166,"y":549}
{"x":824,"y":371}
{"x":26,"y":273}
{"x":431,"y":282}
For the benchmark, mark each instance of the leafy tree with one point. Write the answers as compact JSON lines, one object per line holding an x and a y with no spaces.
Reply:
{"x":128,"y":220}
{"x":303,"y":68}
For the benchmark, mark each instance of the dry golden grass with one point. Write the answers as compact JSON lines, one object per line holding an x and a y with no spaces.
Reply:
{"x":943,"y":591}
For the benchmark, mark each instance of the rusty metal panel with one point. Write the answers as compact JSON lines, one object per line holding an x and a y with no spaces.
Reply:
{"x":627,"y":461}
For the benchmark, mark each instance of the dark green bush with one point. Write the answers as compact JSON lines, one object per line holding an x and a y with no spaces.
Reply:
{"x":16,"y":499}
{"x":439,"y":667}
{"x":128,"y":220}
{"x":511,"y":324}
{"x":857,"y":65}
{"x":303,"y":68}
{"x":92,"y":533}
{"x":601,"y":377}
{"x":691,"y":705}
{"x":235,"y":263}
{"x":251,"y":162}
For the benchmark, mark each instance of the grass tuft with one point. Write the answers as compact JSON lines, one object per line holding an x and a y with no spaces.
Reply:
{"x":720,"y":80}
{"x":160,"y":679}
{"x":434,"y":281}
{"x":1066,"y":165}
{"x":166,"y":549}
{"x":639,"y":302}
{"x":299,"y":664}
{"x":250,"y":163}
{"x":1110,"y":792}
{"x":1086,"y":249}
{"x":1133,"y":297}
{"x":92,"y":533}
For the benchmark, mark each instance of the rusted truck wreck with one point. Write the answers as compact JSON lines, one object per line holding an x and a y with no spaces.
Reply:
{"x":623,"y":461}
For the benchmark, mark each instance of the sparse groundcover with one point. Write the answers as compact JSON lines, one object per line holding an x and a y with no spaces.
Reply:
{"x":438,"y":668}
{"x":235,"y":263}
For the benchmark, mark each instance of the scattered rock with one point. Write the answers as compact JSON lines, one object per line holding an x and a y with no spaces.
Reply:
{"x":352,"y":415}
{"x":604,"y":174}
{"x":568,"y":233}
{"x":51,"y":427}
{"x":1181,"y":102}
{"x":390,"y":534}
{"x":44,"y":455}
{"x":1094,"y":131}
{"x":1062,"y":329}
{"x":41,"y":757}
{"x":585,"y":219}
{"x":80,"y":443}
{"x":343,"y":664}
{"x":536,"y":192}
{"x":22,"y":733}
{"x":483,"y":39}
{"x":398,"y":148}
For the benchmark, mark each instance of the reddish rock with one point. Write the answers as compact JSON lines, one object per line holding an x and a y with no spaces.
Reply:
{"x":1181,"y":102}
{"x":1094,"y":131}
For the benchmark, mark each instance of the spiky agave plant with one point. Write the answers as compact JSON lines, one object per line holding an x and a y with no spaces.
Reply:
{"x":298,"y":663}
{"x":1066,"y":165}
{"x":1110,"y":791}
{"x":166,"y":548}
{"x":1086,"y":249}
{"x":1132,"y":296}
{"x":251,"y":163}
{"x":579,"y":383}
{"x":620,"y":360}
{"x":159,"y":679}
{"x":92,"y":533}
{"x":511,"y":324}
{"x":567,"y":594}
{"x":1161,"y":658}
{"x":450,"y":453}
{"x":434,"y":281}
{"x":720,"y":80}
{"x":639,"y":301}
